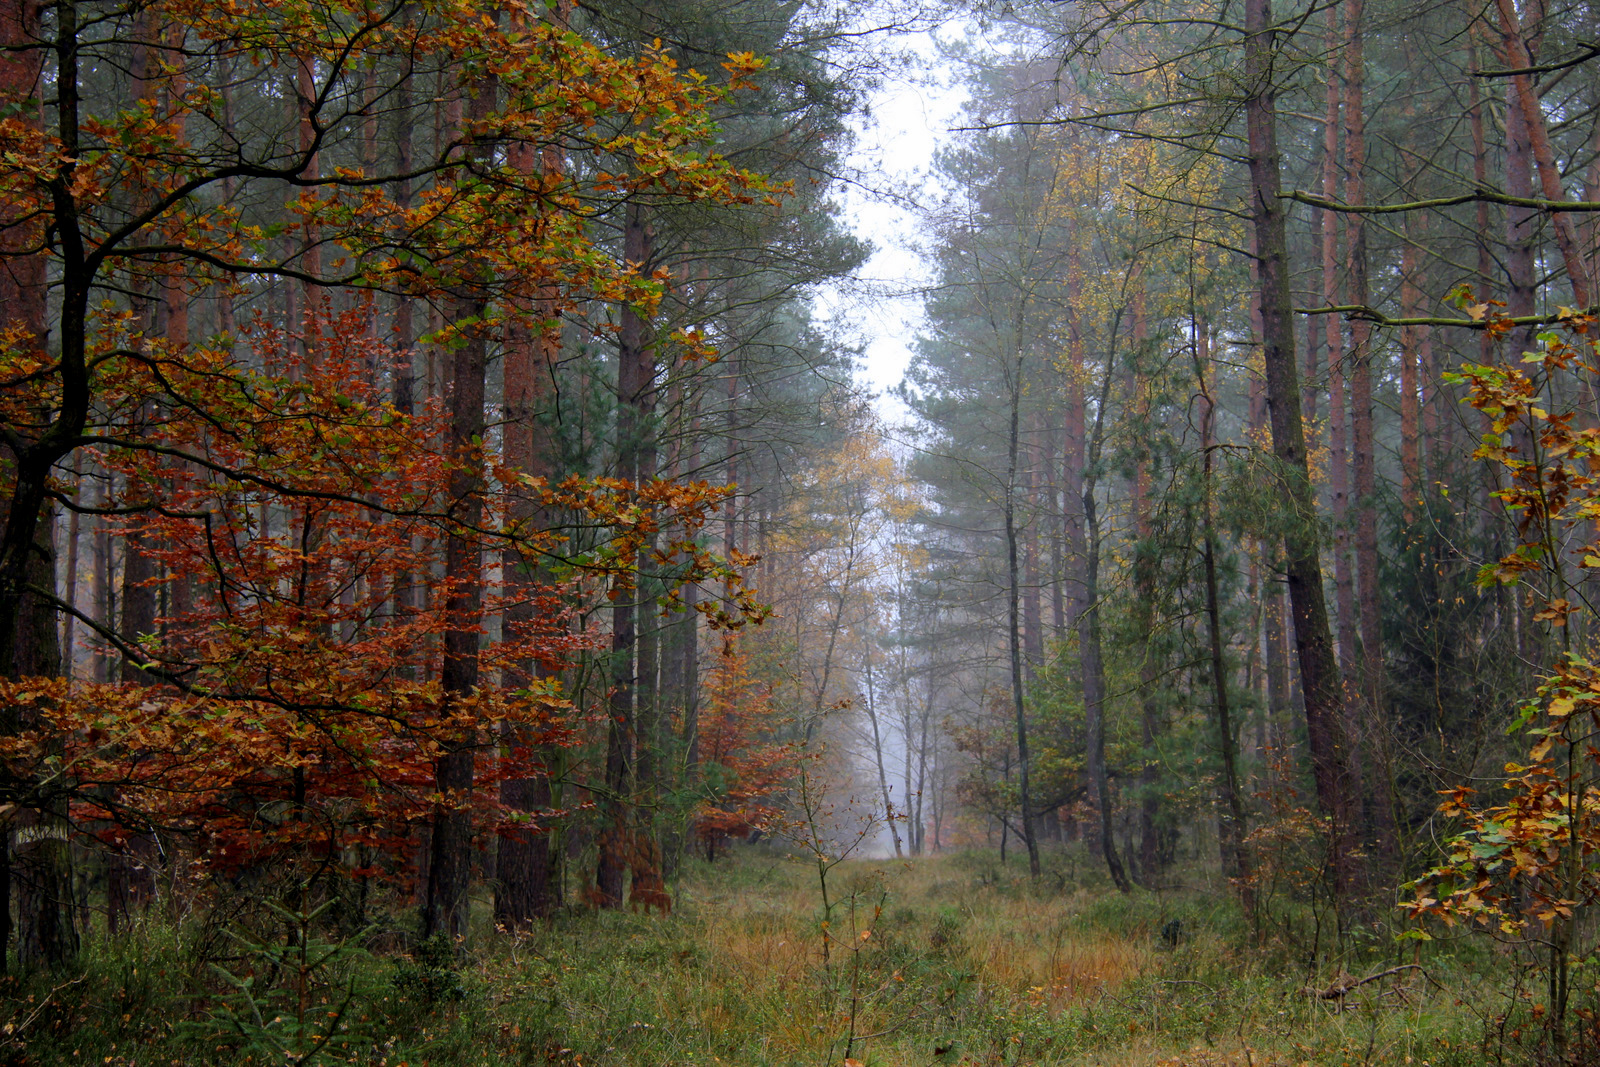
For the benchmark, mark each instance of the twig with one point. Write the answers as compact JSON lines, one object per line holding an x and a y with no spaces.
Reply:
{"x":13,"y":1031}
{"x":1341,"y":987}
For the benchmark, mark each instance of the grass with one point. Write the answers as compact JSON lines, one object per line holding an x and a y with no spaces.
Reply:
{"x":945,"y":961}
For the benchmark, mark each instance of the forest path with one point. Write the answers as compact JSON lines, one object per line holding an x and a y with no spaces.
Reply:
{"x":957,"y":959}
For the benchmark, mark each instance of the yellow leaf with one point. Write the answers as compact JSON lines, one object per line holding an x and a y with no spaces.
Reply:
{"x":1560,"y":707}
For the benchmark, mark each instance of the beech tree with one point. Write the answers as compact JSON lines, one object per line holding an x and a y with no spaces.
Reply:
{"x":187,"y":190}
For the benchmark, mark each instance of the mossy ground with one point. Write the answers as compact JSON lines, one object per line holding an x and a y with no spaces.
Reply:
{"x":951,"y":960}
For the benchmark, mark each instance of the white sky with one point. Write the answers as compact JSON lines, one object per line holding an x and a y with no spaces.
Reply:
{"x":910,"y":116}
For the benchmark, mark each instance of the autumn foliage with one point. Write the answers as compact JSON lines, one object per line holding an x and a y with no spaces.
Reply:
{"x":291,"y":706}
{"x":313,"y":543}
{"x":1522,"y":863}
{"x":745,"y":769}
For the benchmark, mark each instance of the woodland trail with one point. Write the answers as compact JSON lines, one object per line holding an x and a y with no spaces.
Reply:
{"x":951,"y":960}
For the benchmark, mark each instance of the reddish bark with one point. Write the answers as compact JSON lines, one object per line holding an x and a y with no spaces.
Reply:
{"x":1519,"y":56}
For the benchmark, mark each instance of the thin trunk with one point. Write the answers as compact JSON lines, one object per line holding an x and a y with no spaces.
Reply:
{"x":1411,"y":342}
{"x":522,"y":859}
{"x":689,"y":650}
{"x":1013,"y":634}
{"x":635,"y":382}
{"x":1231,"y":820}
{"x":1590,"y":231}
{"x":1144,"y":610}
{"x":1091,"y":661}
{"x":1364,"y":449}
{"x":1480,"y":177}
{"x":1075,"y":453}
{"x":1338,"y":410}
{"x":1053,"y":530}
{"x":404,"y":386}
{"x":877,"y":753}
{"x":69,"y":580}
{"x":1270,"y":592}
{"x":105,"y":594}
{"x":1032,"y":606}
{"x":310,"y":261}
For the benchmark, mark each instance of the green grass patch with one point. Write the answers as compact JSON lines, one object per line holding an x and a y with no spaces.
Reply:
{"x":953,"y":960}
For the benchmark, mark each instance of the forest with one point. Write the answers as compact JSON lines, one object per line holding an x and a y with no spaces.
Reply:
{"x":465,"y":597}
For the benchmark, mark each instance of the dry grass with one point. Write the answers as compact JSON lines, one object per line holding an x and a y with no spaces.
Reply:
{"x":996,"y":971}
{"x":964,"y":964}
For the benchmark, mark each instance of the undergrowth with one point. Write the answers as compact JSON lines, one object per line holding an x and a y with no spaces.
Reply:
{"x":946,"y":961}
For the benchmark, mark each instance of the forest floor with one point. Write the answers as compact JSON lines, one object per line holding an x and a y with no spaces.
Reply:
{"x":944,"y":961}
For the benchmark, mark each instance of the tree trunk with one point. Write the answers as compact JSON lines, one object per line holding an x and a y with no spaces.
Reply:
{"x":1519,"y":55}
{"x":1274,"y":611}
{"x":522,"y":859}
{"x":1411,"y":341}
{"x":1092,"y":668}
{"x":1032,"y":602}
{"x":1230,"y":807}
{"x":1314,"y":643}
{"x":1364,"y":448}
{"x":40,"y":865}
{"x":1083,"y":581}
{"x":450,"y":860}
{"x":1144,"y":609}
{"x":69,"y":579}
{"x":635,"y":382}
{"x":1013,"y":631}
{"x":1480,"y":176}
{"x":1053,"y":530}
{"x":1339,"y":465}
{"x":1075,"y":453}
{"x":877,"y":754}
{"x":35,"y":872}
{"x":525,"y":866}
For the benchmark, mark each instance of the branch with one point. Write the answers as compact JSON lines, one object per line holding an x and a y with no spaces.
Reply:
{"x":1492,"y":196}
{"x":1344,"y":984}
{"x":1362,"y":312}
{"x":1368,"y":314}
{"x":1240,"y":215}
{"x":1590,"y":51}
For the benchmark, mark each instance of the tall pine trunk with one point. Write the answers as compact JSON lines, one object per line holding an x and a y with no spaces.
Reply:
{"x":1319,"y":671}
{"x":450,"y":846}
